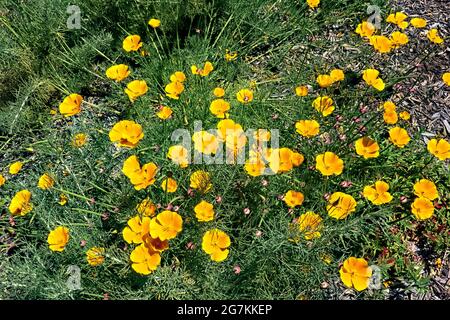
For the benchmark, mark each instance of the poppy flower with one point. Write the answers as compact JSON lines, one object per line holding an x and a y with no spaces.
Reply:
{"x":399,"y":137}
{"x":262,"y":135}
{"x":174,"y":89}
{"x":365,"y":29}
{"x":219,"y":108}
{"x":426,"y":189}
{"x":370,"y":76}
{"x":324,"y":80}
{"x":398,"y":39}
{"x":307,"y":128}
{"x":144,"y":260}
{"x":378,"y":194}
{"x":156,"y":244}
{"x":404,"y":115}
{"x":439,"y":148}
{"x":418,"y":23}
{"x":219,"y":92}
{"x":45,"y":182}
{"x":135,"y":89}
{"x":164,"y":113}
{"x":215,"y":243}
{"x":337,"y":75}
{"x":340,"y":205}
{"x":301,"y":91}
{"x":58,"y":238}
{"x":255,"y":167}
{"x":95,"y":256}
{"x":205,"y":142}
{"x":433,"y":36}
{"x":235,"y":141}
{"x":230,"y":55}
{"x":309,"y":225}
{"x":446,"y":78}
{"x":422,"y":208}
{"x":293,"y":198}
{"x":329,"y":163}
{"x":71,"y":105}
{"x":313,"y":3}
{"x":356,"y":273}
{"x":141,"y":178}
{"x":204,"y":211}
{"x":154,"y":23}
{"x":178,"y":76}
{"x":206,"y":70}
{"x":20,"y":204}
{"x":132,"y":43}
{"x":390,"y":117}
{"x":146,"y":208}
{"x":324,"y":105}
{"x":284,"y":159}
{"x":118,"y":72}
{"x":79,"y":140}
{"x":2,"y":180}
{"x":166,"y":225}
{"x":398,"y":18}
{"x":126,"y":133}
{"x":169,"y":185}
{"x":228,"y":127}
{"x":245,"y":96}
{"x":137,"y":228}
{"x":179,"y":155}
{"x":389,"y":106}
{"x":63,"y":199}
{"x":15,"y":167}
{"x":381,"y":44}
{"x":367,"y":148}
{"x":201,"y":181}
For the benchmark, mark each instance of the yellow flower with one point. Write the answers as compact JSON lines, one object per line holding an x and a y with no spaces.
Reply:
{"x":146,"y":208}
{"x":204,"y":211}
{"x":166,"y":225}
{"x":126,"y":133}
{"x":309,"y":224}
{"x":340,"y":205}
{"x":405,"y":115}
{"x":136,"y":230}
{"x":418,"y":22}
{"x":389,"y":106}
{"x":367,"y":148}
{"x":378,"y":194}
{"x":255,"y":167}
{"x":79,"y":140}
{"x":301,"y":91}
{"x":399,"y":137}
{"x":293,"y":198}
{"x":15,"y":167}
{"x":440,"y":149}
{"x":205,"y":142}
{"x":365,"y":29}
{"x":434,"y":37}
{"x":329,"y":163}
{"x":245,"y":96}
{"x":141,"y":178}
{"x":307,"y":128}
{"x":118,"y":72}
{"x":207,"y":68}
{"x":45,"y":182}
{"x":228,"y":127}
{"x":2,"y":180}
{"x":20,"y":204}
{"x":324,"y":80}
{"x":156,"y":244}
{"x":446,"y":78}
{"x":132,"y":43}
{"x":324,"y":105}
{"x":426,"y":189}
{"x":390,"y":117}
{"x":219,"y":108}
{"x":219,"y":92}
{"x":63,"y":199}
{"x":135,"y":89}
{"x":356,"y":273}
{"x":313,"y":3}
{"x":398,"y":18}
{"x":337,"y":75}
{"x":201,"y":181}
{"x":381,"y":44}
{"x":174,"y":89}
{"x":154,"y":23}
{"x":144,"y":260}
{"x":169,"y":185}
{"x":230,"y":55}
{"x":284,"y":159}
{"x":178,"y":76}
{"x":164,"y":113}
{"x":95,"y":256}
{"x":215,"y":243}
{"x":398,"y":39}
{"x":179,"y":155}
{"x":370,"y":76}
{"x":57,"y":239}
{"x":71,"y":105}
{"x":422,"y":208}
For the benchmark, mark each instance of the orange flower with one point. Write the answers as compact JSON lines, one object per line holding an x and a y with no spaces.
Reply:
{"x":58,"y":238}
{"x":126,"y":133}
{"x":95,"y":256}
{"x":367,"y":148}
{"x":399,"y":137}
{"x":440,"y":149}
{"x":144,"y":260}
{"x":141,"y":178}
{"x":132,"y":43}
{"x":219,"y":108}
{"x":164,"y":113}
{"x":205,"y":142}
{"x":293,"y":198}
{"x":215,"y":243}
{"x":179,"y":155}
{"x":244,"y":96}
{"x":166,"y":225}
{"x":390,"y":115}
{"x":178,"y":76}
{"x":201,"y":181}
{"x":169,"y":185}
{"x":146,"y":208}
{"x":204,"y":211}
{"x":309,"y":224}
{"x":207,"y":68}
{"x":284,"y":159}
{"x":307,"y":128}
{"x":356,"y":273}
{"x":174,"y":89}
{"x":255,"y":167}
{"x":426,"y":189}
{"x":370,"y":76}
{"x":340,"y":205}
{"x":378,"y":194}
{"x":365,"y":29}
{"x":422,"y":208}
{"x":137,"y":228}
{"x":324,"y":105}
{"x":46,"y":182}
{"x":135,"y":89}
{"x":118,"y":72}
{"x":381,"y":44}
{"x":405,"y":115}
{"x":71,"y":105}
{"x":329,"y":163}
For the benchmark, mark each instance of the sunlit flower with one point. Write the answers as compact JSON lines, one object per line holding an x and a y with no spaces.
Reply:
{"x":215,"y":243}
{"x":245,"y":96}
{"x":205,"y":142}
{"x":141,"y":178}
{"x":207,"y":68}
{"x":174,"y":89}
{"x":46,"y":182}
{"x":370,"y":76}
{"x":126,"y":133}
{"x":378,"y":194}
{"x":79,"y":140}
{"x":219,"y":92}
{"x":313,"y":3}
{"x":255,"y":167}
{"x":337,"y":75}
{"x":433,"y":36}
{"x":324,"y":105}
{"x":219,"y":108}
{"x":201,"y":181}
{"x":146,"y":208}
{"x":439,"y":148}
{"x":179,"y":155}
{"x":340,"y":205}
{"x":301,"y":91}
{"x":367,"y":148}
{"x":356,"y":273}
{"x":398,"y":18}
{"x":307,"y":128}
{"x":389,"y":106}
{"x":71,"y":105}
{"x":309,"y":225}
{"x":144,"y":260}
{"x":20,"y":204}
{"x":118,"y":72}
{"x":284,"y":159}
{"x":446,"y":78}
{"x":166,"y":225}
{"x":426,"y":189}
{"x":95,"y":256}
{"x":137,"y":228}
{"x":132,"y":43}
{"x":178,"y":76}
{"x":135,"y":89}
{"x":15,"y":167}
{"x":58,"y":238}
{"x":2,"y":180}
{"x":63,"y":199}
{"x":154,"y":23}
{"x":390,"y":117}
{"x":164,"y":113}
{"x":399,"y":137}
{"x":381,"y":44}
{"x":293,"y":198}
{"x":418,"y":22}
{"x":398,"y":39}
{"x":169,"y":185}
{"x":329,"y":163}
{"x":204,"y":211}
{"x":156,"y":244}
{"x":404,"y":115}
{"x":422,"y":208}
{"x":324,"y":80}
{"x":365,"y":29}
